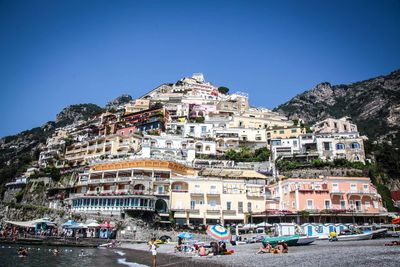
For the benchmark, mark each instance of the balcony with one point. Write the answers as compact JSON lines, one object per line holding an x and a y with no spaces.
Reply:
{"x":197,"y":194}
{"x":254,"y":194}
{"x":161,"y":180}
{"x":229,"y":212}
{"x":213,"y":211}
{"x":213,"y":194}
{"x":163,"y":193}
{"x":193,"y":211}
{"x":179,"y":190}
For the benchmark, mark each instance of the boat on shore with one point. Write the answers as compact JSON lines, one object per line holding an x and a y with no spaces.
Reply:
{"x":290,"y":240}
{"x":354,"y":237}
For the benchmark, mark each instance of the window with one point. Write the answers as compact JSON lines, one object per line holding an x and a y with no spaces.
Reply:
{"x":345,"y":127}
{"x":213,"y":189}
{"x":203,"y":129}
{"x":335,"y":188}
{"x":355,"y":145}
{"x":240,"y":207}
{"x":375,"y":203}
{"x":161,"y":189}
{"x":248,"y":206}
{"x":197,"y":188}
{"x":294,"y":130}
{"x":310,"y":204}
{"x":228,"y":205}
{"x":342,"y":204}
{"x":353,"y":188}
{"x":327,"y":146}
{"x":356,"y":158}
{"x":367,"y":205}
{"x":366,"y":188}
{"x":213,"y":203}
{"x":191,"y":129}
{"x":192,"y":204}
{"x":327,"y":204}
{"x":208,"y":148}
{"x":281,"y":131}
{"x":340,"y":146}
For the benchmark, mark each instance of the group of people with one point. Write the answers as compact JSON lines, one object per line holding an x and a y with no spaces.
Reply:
{"x":281,"y":247}
{"x":203,"y":250}
{"x":22,"y":232}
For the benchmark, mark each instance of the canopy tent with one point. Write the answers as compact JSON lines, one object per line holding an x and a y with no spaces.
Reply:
{"x":78,"y":226}
{"x":32,"y":223}
{"x":69,"y":224}
{"x":249,"y":226}
{"x":93,"y":225}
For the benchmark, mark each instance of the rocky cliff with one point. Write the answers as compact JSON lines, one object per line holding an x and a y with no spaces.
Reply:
{"x":374,"y":105}
{"x":19,"y":151}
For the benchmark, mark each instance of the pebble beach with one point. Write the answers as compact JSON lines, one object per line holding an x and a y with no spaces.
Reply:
{"x":320,"y":253}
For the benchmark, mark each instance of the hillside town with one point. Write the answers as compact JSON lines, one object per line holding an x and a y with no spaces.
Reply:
{"x":192,"y":153}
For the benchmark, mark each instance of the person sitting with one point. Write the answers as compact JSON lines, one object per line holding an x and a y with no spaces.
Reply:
{"x":214,"y":247}
{"x":285,"y":247}
{"x":266,"y":248}
{"x":222,"y":248}
{"x":202,"y":251}
{"x":178,"y":247}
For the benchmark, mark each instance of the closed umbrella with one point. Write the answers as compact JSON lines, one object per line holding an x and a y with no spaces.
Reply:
{"x":218,"y":232}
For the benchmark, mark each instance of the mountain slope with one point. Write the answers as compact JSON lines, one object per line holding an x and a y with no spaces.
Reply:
{"x":20,"y":150}
{"x":374,"y":105}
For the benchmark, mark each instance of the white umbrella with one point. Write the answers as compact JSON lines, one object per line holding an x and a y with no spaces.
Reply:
{"x":264,"y":224}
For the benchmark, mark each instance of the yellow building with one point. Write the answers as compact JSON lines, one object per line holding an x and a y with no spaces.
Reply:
{"x":194,"y":196}
{"x":217,"y":196}
{"x":116,"y":145}
{"x":284,"y":132}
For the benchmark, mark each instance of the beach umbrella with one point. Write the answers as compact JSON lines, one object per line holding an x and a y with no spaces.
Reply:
{"x":264,"y":224}
{"x":185,"y":235}
{"x":218,"y":232}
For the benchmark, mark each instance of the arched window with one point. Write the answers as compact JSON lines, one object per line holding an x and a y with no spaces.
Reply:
{"x":340,"y":146}
{"x":355,"y":145}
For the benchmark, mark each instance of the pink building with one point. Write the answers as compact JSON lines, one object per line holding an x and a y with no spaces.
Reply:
{"x":335,"y":194}
{"x":127,"y":131}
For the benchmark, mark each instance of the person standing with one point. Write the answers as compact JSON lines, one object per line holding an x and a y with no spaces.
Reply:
{"x":153,"y":249}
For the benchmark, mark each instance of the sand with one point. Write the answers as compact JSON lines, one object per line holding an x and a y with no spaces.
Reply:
{"x":320,"y":253}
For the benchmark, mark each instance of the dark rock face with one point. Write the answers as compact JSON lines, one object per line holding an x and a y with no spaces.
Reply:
{"x":122,"y":99}
{"x":374,"y":105}
{"x":75,"y":113}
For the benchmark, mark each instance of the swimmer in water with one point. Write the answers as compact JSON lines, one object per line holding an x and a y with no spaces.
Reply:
{"x":56,"y":252}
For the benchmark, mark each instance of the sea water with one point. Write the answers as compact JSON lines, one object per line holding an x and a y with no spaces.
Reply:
{"x":39,"y":256}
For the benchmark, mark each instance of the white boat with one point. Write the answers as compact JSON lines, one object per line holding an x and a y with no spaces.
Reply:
{"x":364,"y":236}
{"x":306,"y":240}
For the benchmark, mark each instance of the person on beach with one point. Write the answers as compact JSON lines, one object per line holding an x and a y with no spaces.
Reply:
{"x":266,"y":248}
{"x":202,"y":251}
{"x":153,"y":248}
{"x":178,"y":247}
{"x":56,"y":252}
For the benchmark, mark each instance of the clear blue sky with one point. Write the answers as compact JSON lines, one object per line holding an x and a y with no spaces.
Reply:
{"x":56,"y":53}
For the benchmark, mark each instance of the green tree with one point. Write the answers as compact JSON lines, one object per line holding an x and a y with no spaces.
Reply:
{"x":223,"y":90}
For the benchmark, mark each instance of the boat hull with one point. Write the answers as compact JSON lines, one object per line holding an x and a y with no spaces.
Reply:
{"x":306,"y":240}
{"x":289,"y":240}
{"x":366,"y":236}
